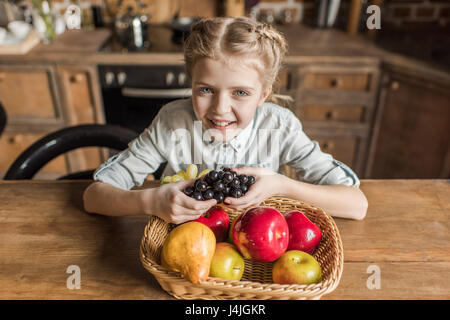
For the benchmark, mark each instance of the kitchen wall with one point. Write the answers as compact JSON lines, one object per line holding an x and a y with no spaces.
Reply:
{"x":420,"y":29}
{"x":164,"y":10}
{"x":418,"y":14}
{"x":160,"y":10}
{"x":396,"y":14}
{"x":410,"y":14}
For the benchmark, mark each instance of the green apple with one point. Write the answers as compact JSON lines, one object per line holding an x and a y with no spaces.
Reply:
{"x":296,"y":267}
{"x":226,"y":263}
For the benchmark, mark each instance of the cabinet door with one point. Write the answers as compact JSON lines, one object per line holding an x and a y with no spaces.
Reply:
{"x":13,"y":144}
{"x":335,"y":103}
{"x":412,"y":135}
{"x":341,"y":147}
{"x":83,"y":105}
{"x":81,"y":94}
{"x":29,"y":95}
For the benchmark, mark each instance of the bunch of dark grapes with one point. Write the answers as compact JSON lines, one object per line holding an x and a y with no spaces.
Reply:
{"x":219,"y":185}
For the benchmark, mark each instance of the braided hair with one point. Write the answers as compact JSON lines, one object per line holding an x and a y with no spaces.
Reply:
{"x":224,"y":38}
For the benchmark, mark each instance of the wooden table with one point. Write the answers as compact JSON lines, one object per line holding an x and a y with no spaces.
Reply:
{"x":44,"y":230}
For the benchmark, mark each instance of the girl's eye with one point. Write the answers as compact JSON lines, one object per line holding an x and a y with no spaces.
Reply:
{"x":205,"y":90}
{"x":241,"y":93}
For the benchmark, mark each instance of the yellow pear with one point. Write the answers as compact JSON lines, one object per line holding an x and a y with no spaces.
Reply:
{"x":189,"y":249}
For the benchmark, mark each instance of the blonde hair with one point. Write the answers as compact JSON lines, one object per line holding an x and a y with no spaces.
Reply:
{"x":223,"y":38}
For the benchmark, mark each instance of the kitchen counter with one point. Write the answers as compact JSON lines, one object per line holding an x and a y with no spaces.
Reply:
{"x":75,"y":45}
{"x":44,"y":230}
{"x":306,"y":45}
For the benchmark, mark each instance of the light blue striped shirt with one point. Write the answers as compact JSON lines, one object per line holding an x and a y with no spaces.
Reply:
{"x":273,"y":138}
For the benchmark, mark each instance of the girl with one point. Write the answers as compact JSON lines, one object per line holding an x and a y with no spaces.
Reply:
{"x":232,"y":64}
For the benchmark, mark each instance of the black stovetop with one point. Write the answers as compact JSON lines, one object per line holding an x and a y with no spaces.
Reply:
{"x":161,"y":39}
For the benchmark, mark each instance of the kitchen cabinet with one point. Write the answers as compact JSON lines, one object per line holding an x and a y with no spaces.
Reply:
{"x":12,"y":144}
{"x":82,"y":102}
{"x":336,"y":105}
{"x":42,"y":98}
{"x":412,"y":131}
{"x":30,"y":96}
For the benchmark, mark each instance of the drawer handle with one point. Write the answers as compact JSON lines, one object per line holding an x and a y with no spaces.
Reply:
{"x":330,"y":115}
{"x":327,"y":145}
{"x":76,"y":78}
{"x":15,"y":139}
{"x":395,"y":85}
{"x":334,"y":82}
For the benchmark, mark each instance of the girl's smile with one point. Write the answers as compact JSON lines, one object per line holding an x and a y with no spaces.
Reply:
{"x":221,"y":124}
{"x":225,"y":95}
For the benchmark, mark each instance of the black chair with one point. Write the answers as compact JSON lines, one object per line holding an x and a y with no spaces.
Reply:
{"x":3,"y":119}
{"x":49,"y":147}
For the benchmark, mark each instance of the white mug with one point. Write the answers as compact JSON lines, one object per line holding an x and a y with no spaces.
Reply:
{"x":19,"y":29}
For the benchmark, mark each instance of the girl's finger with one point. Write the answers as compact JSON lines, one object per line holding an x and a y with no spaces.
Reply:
{"x":183,"y":183}
{"x":255,"y":171}
{"x":183,"y":211}
{"x":244,"y":200}
{"x":246,"y":170}
{"x":245,"y":206}
{"x":198,"y":205}
{"x":184,"y":218}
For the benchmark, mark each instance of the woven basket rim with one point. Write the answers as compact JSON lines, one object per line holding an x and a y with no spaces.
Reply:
{"x":311,"y":290}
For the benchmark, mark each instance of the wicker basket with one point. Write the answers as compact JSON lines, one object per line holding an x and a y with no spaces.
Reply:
{"x":256,"y":283}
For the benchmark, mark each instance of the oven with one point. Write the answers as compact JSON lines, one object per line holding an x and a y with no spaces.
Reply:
{"x":133,"y":94}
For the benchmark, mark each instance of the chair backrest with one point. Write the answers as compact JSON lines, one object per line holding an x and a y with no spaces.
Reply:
{"x":3,"y":119}
{"x":49,"y":147}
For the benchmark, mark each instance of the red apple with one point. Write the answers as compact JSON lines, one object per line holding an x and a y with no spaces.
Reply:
{"x":261,"y":234}
{"x":230,"y":232}
{"x":218,"y":220}
{"x":296,"y":267}
{"x":304,"y":235}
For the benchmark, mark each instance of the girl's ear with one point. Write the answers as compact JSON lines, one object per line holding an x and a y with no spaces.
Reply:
{"x":264,"y":95}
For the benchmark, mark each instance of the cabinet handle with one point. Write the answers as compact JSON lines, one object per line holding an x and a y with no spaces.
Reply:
{"x":395,"y":85}
{"x":15,"y":139}
{"x":2,"y":76}
{"x":331,"y":115}
{"x":76,"y":78}
{"x":334,"y":82}
{"x":327,"y":145}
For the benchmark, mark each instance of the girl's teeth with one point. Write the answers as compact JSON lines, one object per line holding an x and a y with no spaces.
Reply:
{"x":220,"y":123}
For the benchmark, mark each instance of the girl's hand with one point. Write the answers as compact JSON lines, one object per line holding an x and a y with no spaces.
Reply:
{"x":267,"y":184}
{"x":170,"y":203}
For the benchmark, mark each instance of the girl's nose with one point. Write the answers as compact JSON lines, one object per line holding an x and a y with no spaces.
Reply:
{"x":222,"y":104}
